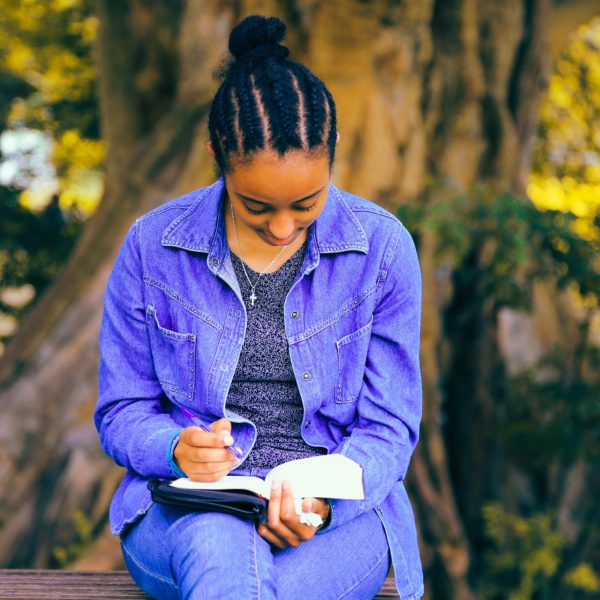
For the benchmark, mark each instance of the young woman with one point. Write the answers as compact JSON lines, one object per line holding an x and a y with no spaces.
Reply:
{"x":285,"y":312}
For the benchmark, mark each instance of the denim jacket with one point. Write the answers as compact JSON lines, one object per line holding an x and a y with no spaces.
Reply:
{"x":173,"y":326}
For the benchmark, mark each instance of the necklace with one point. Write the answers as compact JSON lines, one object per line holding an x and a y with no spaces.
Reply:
{"x":253,"y":296}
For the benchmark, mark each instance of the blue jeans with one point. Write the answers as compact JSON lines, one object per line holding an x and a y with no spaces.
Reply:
{"x":174,"y":553}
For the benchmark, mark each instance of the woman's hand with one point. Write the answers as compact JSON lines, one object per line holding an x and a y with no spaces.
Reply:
{"x":202,"y":456}
{"x":284,"y":528}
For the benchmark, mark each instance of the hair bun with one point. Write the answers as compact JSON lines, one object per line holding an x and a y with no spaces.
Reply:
{"x":256,"y":38}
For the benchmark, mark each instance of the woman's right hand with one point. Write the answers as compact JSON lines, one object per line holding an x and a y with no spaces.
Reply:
{"x":202,"y":456}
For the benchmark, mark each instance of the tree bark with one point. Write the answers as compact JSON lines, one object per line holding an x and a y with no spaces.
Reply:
{"x":51,"y":461}
{"x":120,"y":115}
{"x":433,"y":97}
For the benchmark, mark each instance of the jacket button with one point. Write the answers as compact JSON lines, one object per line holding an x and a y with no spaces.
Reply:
{"x":307,"y":424}
{"x":306,"y":376}
{"x":215,"y":261}
{"x":295,"y":314}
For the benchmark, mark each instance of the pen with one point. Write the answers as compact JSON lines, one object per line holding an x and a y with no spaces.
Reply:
{"x":196,"y":421}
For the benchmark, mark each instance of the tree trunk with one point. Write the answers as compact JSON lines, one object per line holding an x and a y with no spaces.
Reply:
{"x":442,"y":90}
{"x":52,"y":464}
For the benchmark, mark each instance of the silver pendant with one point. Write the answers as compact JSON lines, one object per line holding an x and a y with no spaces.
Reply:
{"x":253,"y":297}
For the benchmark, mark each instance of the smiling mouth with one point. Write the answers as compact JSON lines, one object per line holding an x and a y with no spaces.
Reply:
{"x":279,"y":242}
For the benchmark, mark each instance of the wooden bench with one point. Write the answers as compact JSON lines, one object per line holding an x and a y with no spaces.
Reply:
{"x":29,"y":584}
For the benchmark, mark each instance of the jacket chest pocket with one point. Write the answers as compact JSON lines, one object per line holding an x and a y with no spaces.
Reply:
{"x":174,"y":356}
{"x":352,"y":352}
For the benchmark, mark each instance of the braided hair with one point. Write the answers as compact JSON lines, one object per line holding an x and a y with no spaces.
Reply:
{"x":267,"y":101}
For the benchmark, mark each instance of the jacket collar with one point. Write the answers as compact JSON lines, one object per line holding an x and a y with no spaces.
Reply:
{"x":336,"y":229}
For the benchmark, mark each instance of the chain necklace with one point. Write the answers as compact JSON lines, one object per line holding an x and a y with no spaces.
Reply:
{"x":253,"y":296}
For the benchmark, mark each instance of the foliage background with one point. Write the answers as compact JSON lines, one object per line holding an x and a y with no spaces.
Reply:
{"x":495,"y":248}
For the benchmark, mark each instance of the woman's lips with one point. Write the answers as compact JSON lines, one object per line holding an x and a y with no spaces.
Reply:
{"x":284,"y":242}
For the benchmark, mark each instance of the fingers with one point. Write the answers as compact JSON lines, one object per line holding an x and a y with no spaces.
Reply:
{"x":307,"y":505}
{"x":207,"y":471}
{"x":202,"y":455}
{"x":267,"y":534}
{"x":205,"y":477}
{"x":196,"y":445}
{"x":283,"y":528}
{"x":267,"y":530}
{"x":287,"y":509}
{"x":194,"y":436}
{"x":274,"y":531}
{"x":221,"y":425}
{"x":316,"y":505}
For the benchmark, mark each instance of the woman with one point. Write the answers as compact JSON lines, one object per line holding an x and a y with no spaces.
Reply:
{"x":285,"y":312}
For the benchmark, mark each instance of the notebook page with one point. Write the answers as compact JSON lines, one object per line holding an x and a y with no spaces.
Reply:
{"x":230,"y":482}
{"x":326,"y":476}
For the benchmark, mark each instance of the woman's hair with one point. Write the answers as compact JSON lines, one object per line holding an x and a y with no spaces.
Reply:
{"x":267,"y":101}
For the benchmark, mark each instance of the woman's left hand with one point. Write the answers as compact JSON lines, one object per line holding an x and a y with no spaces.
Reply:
{"x":284,"y":528}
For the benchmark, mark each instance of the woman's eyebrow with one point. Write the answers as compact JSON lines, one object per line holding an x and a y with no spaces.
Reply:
{"x":248,"y":199}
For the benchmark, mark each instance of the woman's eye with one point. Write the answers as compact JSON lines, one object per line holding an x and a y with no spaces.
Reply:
{"x":262,"y":212}
{"x":307,"y":208}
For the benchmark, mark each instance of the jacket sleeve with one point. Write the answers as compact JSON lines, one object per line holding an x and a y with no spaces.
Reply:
{"x":131,"y":413}
{"x":389,"y":404}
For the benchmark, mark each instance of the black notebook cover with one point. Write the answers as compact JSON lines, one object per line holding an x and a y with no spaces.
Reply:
{"x":242,"y":504}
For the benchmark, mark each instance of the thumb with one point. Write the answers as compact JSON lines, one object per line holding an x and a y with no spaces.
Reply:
{"x":222,"y":426}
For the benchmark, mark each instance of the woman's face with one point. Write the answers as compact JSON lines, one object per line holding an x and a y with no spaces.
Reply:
{"x":276,"y":197}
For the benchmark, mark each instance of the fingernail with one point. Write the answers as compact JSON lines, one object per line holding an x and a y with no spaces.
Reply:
{"x":276,"y":485}
{"x":286,"y":485}
{"x":227,"y":440}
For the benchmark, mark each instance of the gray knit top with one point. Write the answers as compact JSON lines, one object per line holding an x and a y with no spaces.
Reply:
{"x":264,"y":388}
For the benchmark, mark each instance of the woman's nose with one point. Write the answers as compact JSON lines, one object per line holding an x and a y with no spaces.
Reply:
{"x":281,"y":227}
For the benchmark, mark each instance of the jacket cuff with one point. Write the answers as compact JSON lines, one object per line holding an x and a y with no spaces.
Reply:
{"x":325,"y":525}
{"x":177,"y":472}
{"x":342,"y":511}
{"x":152,"y":457}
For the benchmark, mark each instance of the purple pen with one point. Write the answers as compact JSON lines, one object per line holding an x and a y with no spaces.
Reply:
{"x":196,"y":421}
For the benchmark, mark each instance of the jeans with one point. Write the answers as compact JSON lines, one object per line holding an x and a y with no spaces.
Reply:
{"x":174,"y":553}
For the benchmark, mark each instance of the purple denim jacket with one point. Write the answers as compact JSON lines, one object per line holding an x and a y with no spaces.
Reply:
{"x":173,"y":327}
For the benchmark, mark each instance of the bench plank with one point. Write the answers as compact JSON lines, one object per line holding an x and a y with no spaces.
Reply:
{"x":34,"y":584}
{"x":29,"y":584}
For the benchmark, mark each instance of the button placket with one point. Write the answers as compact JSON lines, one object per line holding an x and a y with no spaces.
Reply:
{"x":191,"y":384}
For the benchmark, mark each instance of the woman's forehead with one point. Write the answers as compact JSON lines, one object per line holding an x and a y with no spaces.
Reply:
{"x":279,"y":180}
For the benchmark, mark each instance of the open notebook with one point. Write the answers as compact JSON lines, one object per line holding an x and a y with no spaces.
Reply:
{"x":326,"y":476}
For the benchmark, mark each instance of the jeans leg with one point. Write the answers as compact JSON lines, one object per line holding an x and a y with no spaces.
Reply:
{"x":147,"y":559}
{"x":349,"y":562}
{"x":173,"y":553}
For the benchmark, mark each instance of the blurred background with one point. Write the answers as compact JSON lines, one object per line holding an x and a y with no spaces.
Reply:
{"x":476,"y":121}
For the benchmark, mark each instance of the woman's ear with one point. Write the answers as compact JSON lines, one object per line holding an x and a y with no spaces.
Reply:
{"x":210,"y":149}
{"x":337,"y":137}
